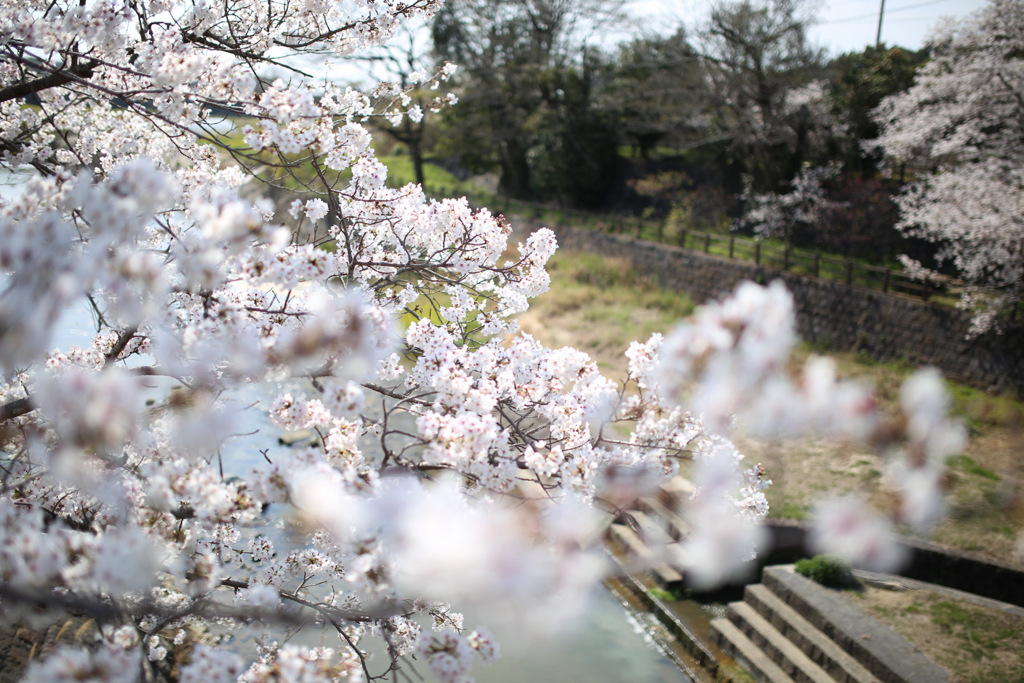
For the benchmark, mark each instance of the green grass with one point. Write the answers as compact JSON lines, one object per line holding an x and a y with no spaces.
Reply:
{"x":438,"y":181}
{"x":976,"y":407}
{"x":800,"y":513}
{"x":599,"y":305}
{"x":613,"y":292}
{"x":976,"y":644}
{"x":968,"y":465}
{"x":668,"y":595}
{"x":983,"y":636}
{"x":981,"y":409}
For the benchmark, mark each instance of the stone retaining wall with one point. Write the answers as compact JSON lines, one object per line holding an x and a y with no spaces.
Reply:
{"x":831,"y":314}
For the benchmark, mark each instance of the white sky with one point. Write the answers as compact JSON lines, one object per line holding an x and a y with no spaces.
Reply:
{"x":843,"y":25}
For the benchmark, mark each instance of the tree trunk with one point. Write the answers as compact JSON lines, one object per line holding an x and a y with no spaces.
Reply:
{"x":515,"y":171}
{"x":416,"y":154}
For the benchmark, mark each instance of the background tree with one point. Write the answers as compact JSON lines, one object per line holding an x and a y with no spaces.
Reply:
{"x":517,"y":58}
{"x":574,"y":156}
{"x":859,"y":83}
{"x":959,"y":130}
{"x":655,"y":89}
{"x":755,"y":53}
{"x":398,"y":67}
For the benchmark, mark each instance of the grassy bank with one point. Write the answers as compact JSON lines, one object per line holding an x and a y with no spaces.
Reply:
{"x":600,"y":304}
{"x":976,"y":643}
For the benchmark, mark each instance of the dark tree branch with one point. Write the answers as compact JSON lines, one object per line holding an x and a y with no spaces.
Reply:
{"x":53,"y":80}
{"x":15,"y":408}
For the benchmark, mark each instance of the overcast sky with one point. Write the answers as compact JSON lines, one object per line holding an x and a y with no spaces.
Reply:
{"x":843,"y":25}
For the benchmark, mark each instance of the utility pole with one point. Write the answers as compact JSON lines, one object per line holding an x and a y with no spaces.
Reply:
{"x":878,"y":36}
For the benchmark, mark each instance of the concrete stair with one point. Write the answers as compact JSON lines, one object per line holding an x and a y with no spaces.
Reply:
{"x":647,"y":538}
{"x":789,"y":629}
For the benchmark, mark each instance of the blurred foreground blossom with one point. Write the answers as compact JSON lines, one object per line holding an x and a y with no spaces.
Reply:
{"x":849,"y":529}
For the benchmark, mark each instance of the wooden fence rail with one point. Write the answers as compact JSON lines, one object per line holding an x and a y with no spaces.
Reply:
{"x":783,"y":258}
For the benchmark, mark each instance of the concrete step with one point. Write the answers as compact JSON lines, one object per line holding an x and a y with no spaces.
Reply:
{"x":674,"y":525}
{"x":654,"y":536}
{"x":626,"y":541}
{"x":675,"y":493}
{"x":651,"y":531}
{"x":886,"y":654}
{"x":727,"y":636}
{"x":835,"y":661}
{"x":786,"y":654}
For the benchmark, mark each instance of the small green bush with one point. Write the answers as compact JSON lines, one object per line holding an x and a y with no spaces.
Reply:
{"x":828,"y":571}
{"x":674,"y":595}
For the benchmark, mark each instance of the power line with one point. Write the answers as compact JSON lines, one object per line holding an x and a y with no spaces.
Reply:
{"x":873,"y":14}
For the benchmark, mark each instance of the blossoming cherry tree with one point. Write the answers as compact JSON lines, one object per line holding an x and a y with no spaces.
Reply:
{"x":454,"y":460}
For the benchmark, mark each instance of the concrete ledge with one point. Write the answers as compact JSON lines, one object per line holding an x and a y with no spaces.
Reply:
{"x":690,"y":642}
{"x":885,"y":653}
{"x":674,"y":525}
{"x":928,"y":562}
{"x":627,"y":542}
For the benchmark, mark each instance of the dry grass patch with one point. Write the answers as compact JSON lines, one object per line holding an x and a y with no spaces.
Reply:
{"x":599,"y":305}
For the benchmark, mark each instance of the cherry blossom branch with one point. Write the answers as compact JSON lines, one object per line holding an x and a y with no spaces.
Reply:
{"x":55,"y":79}
{"x":16,"y":408}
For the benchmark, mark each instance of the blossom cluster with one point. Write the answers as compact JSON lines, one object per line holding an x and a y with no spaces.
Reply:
{"x":778,"y":215}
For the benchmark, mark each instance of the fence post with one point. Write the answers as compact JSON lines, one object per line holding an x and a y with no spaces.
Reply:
{"x":849,"y":272}
{"x":732,"y":244}
{"x":707,"y":243}
{"x":885,"y":282}
{"x":683,"y":234}
{"x":817,"y":264}
{"x":757,"y":253}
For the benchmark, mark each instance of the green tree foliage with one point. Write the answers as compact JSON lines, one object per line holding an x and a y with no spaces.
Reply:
{"x":861,"y":80}
{"x":574,"y":156}
{"x":525,"y":89}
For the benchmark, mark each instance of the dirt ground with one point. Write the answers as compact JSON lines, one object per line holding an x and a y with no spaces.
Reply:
{"x":976,"y":644}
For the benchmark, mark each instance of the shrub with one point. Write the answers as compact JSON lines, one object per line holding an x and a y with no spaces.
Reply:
{"x":828,"y":571}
